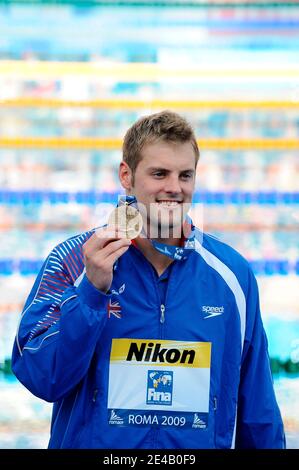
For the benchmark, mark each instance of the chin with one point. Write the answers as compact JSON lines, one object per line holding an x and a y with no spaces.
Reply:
{"x":168,"y":229}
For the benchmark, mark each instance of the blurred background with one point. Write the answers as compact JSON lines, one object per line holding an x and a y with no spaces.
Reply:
{"x":75,"y":74}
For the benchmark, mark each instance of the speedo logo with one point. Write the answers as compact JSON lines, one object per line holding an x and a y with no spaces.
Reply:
{"x":163,"y":353}
{"x":150,"y":352}
{"x":212,"y":311}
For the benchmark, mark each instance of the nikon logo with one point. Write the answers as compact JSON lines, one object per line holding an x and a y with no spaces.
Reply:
{"x":154,"y":352}
{"x":160,"y":352}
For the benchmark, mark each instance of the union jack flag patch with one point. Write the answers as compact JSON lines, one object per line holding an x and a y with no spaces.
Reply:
{"x":114,"y":309}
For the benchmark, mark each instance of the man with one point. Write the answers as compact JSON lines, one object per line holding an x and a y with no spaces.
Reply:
{"x":154,"y":343}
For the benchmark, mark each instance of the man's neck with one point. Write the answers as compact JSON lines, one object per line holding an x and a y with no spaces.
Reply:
{"x":158,"y":260}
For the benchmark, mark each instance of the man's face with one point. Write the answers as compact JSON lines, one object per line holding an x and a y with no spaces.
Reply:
{"x":163,"y":185}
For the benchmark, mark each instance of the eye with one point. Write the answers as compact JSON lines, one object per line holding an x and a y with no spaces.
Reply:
{"x":159,"y":174}
{"x":186,"y":176}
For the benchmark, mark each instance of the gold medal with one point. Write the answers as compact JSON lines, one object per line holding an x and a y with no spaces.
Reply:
{"x":128,"y":221}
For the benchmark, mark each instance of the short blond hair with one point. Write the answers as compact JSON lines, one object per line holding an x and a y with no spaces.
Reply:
{"x":165,"y":126}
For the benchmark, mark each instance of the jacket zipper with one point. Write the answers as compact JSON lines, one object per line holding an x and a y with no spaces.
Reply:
{"x":162,"y":314}
{"x":156,"y":432}
{"x":215,"y":404}
{"x":162,"y":306}
{"x":95,"y":393}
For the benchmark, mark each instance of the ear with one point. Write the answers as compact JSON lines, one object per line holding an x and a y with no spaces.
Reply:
{"x":125,"y":176}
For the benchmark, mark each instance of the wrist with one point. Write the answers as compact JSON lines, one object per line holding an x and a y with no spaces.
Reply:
{"x":91,"y":295}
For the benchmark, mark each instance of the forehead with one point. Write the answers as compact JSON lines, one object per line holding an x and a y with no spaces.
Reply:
{"x":168,"y":155}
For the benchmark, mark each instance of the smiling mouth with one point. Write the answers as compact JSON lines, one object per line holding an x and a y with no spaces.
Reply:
{"x":166,"y":203}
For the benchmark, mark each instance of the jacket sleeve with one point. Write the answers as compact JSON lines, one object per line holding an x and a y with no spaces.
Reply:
{"x":58,"y":331}
{"x":259,"y":423}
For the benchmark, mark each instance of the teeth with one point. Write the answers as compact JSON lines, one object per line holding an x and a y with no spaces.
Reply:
{"x":168,"y":203}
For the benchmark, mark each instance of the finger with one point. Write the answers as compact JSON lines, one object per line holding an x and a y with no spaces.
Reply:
{"x":116,"y":254}
{"x":110,"y":232}
{"x":101,"y":237}
{"x":113,"y":234}
{"x":113,"y":246}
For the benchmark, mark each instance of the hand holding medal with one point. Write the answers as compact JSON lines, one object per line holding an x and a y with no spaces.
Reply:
{"x":108,"y":243}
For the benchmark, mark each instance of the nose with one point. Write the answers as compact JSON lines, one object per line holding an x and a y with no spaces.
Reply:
{"x":172,"y":184}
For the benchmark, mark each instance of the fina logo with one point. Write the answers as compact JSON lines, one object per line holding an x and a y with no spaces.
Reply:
{"x":159,"y":387}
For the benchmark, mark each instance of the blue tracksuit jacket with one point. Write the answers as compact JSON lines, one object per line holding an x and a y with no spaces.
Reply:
{"x":125,"y":371}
